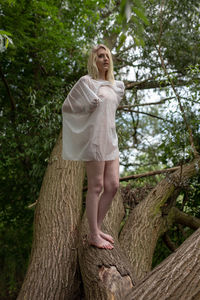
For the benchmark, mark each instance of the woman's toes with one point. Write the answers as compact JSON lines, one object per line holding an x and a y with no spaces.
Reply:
{"x":99,"y":242}
{"x":107,"y":237}
{"x":107,"y":245}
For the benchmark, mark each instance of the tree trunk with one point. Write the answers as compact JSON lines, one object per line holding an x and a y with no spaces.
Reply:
{"x":121,"y":273}
{"x":52,"y":271}
{"x":114,"y":274}
{"x":105,"y":273}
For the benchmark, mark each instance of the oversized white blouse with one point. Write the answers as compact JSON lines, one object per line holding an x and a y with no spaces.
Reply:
{"x":91,"y":136}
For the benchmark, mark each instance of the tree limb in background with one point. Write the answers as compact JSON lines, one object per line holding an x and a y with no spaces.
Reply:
{"x":143,"y":113}
{"x":136,"y":176}
{"x":168,"y":242}
{"x":152,"y":173}
{"x":152,"y":84}
{"x":12,"y":100}
{"x":146,"y":104}
{"x":182,"y":218}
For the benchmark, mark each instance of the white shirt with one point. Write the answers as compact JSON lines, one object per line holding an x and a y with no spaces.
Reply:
{"x":91,"y":136}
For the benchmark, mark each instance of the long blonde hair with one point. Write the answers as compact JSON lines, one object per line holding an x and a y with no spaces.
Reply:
{"x":92,"y":67}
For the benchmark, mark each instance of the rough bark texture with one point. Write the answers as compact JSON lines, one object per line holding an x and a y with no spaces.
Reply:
{"x":176,"y":278}
{"x":106,"y":274}
{"x":52,"y":269}
{"x":146,"y":223}
{"x":124,"y":273}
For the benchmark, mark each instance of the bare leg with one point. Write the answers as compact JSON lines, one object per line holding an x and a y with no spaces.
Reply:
{"x":95,"y":175}
{"x":111,"y":184}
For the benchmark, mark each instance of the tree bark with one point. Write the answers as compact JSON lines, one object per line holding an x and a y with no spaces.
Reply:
{"x":185,"y":219}
{"x":115,"y":274}
{"x":176,"y":278}
{"x":106,"y":274}
{"x":147,"y":222}
{"x":60,"y":234}
{"x":52,"y":271}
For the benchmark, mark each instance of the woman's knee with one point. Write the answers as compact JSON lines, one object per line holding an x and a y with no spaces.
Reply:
{"x":111,"y":187}
{"x":96,"y":187}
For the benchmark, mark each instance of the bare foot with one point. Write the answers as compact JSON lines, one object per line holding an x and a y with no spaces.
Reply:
{"x":99,"y":242}
{"x":107,"y":237}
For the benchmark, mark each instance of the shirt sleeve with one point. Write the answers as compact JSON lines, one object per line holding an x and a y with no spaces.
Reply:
{"x":79,"y":99}
{"x":120,"y":90}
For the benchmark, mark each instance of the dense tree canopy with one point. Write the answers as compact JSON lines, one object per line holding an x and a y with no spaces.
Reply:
{"x":50,"y":42}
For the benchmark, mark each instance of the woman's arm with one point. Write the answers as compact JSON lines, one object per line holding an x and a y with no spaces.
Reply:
{"x":81,"y":99}
{"x":120,"y":88}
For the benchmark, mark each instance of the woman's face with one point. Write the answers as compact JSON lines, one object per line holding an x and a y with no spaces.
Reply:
{"x":102,"y":60}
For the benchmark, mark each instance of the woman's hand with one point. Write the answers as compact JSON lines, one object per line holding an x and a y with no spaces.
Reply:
{"x":94,"y":105}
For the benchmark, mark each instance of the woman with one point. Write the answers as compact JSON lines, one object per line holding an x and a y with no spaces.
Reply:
{"x":89,"y":135}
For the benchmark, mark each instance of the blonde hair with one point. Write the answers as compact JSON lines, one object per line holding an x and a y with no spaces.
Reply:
{"x":92,"y":67}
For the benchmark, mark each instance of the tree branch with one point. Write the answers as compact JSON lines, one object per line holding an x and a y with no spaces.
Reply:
{"x":12,"y":101}
{"x":152,"y":84}
{"x":185,"y":219}
{"x":168,"y":242}
{"x":124,"y":50}
{"x":167,"y":281}
{"x":143,"y":113}
{"x":147,"y":217}
{"x":151,"y":173}
{"x":146,"y":104}
{"x":136,"y":176}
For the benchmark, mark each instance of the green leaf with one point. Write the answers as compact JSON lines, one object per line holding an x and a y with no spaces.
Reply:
{"x":141,"y":15}
{"x":3,"y":32}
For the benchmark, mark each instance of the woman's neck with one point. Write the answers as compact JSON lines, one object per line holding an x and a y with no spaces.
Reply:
{"x":102,"y":76}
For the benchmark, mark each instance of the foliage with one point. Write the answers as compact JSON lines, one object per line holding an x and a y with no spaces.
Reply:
{"x":47,"y":54}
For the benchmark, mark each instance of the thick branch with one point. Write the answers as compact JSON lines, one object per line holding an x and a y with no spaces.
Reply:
{"x":177,"y":277}
{"x":146,"y":222}
{"x":185,"y":219}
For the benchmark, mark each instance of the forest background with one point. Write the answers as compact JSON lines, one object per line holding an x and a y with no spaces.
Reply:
{"x":44,"y":48}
